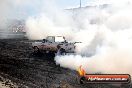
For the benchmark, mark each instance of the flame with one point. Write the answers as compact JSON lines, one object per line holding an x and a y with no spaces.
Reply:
{"x":81,"y":71}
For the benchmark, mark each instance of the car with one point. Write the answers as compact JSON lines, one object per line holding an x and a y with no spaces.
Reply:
{"x":54,"y":44}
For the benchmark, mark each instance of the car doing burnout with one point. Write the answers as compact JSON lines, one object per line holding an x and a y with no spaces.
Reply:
{"x":54,"y":44}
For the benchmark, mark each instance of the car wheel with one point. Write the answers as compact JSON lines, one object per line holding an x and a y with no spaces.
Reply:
{"x":62,"y":51}
{"x":36,"y":49}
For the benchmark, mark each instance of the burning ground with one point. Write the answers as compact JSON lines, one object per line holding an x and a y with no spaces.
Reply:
{"x":19,"y":68}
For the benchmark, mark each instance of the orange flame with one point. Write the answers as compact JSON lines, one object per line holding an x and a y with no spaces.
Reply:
{"x":81,"y":71}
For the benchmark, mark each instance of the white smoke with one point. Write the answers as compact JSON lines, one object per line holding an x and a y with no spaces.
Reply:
{"x":7,"y":11}
{"x":21,"y":9}
{"x":51,"y":21}
{"x":104,"y":30}
{"x":11,"y":12}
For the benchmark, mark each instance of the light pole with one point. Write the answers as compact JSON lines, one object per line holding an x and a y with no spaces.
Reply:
{"x":80,"y":3}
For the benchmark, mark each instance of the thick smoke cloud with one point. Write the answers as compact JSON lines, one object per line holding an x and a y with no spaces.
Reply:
{"x":6,"y":8}
{"x":13,"y":13}
{"x":104,"y":30}
{"x":16,"y":10}
{"x":51,"y":21}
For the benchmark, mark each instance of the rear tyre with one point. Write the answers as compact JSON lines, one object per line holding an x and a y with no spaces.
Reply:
{"x":36,"y":49}
{"x":62,"y":51}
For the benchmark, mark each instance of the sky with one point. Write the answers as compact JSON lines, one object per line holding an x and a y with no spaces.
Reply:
{"x":23,"y":9}
{"x":62,"y":4}
{"x":71,"y":3}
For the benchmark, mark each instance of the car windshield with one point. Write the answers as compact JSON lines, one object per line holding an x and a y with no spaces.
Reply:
{"x":59,"y":39}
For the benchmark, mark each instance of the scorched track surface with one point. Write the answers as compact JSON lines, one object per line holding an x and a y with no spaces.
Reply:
{"x":20,"y":69}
